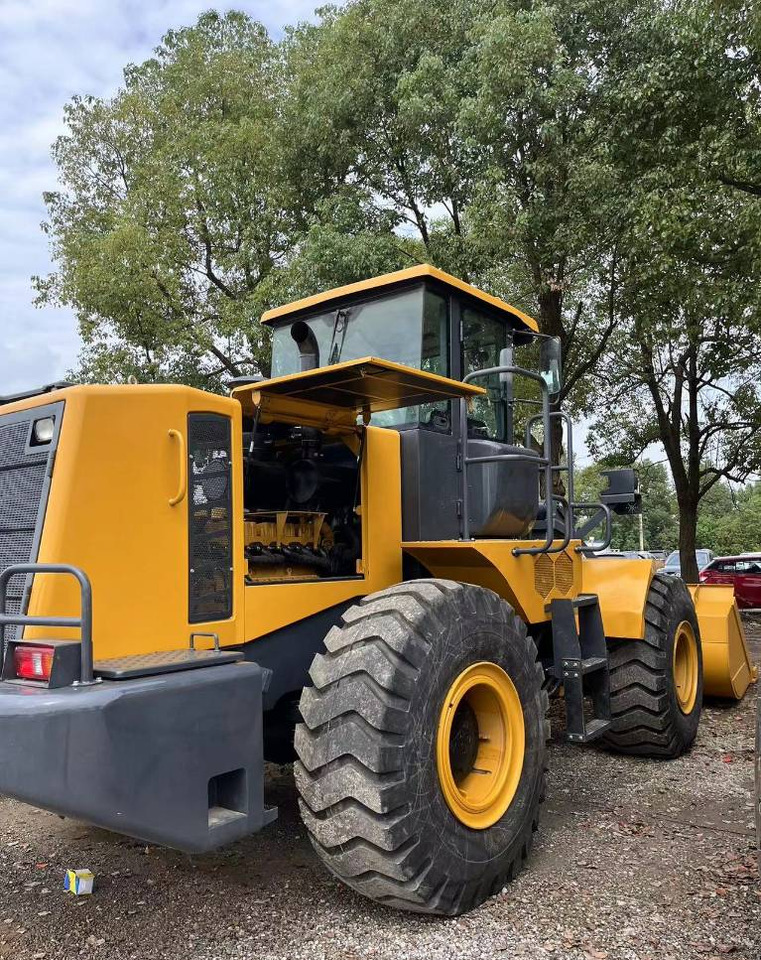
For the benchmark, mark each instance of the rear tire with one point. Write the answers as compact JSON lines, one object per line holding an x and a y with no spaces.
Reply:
{"x":368,"y":775}
{"x":656,"y":684}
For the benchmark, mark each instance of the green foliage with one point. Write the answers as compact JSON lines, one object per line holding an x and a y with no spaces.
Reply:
{"x":173,"y":212}
{"x":729,"y":522}
{"x":479,"y":135}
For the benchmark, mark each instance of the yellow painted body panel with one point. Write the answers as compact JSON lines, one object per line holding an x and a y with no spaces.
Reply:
{"x":116,"y":469}
{"x":622,"y":587}
{"x":420,"y":271}
{"x":346,"y":390}
{"x":109,"y":513}
{"x":270,"y":606}
{"x":727,"y":667}
{"x":527,"y":583}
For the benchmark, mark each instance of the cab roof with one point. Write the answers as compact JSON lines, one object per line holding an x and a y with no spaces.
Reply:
{"x":421,"y":272}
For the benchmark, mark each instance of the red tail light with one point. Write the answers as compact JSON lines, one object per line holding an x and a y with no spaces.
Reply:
{"x":33,"y":662}
{"x":703,"y":577}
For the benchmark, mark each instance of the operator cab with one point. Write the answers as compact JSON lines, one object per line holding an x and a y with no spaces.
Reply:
{"x":421,"y":318}
{"x":428,"y":320}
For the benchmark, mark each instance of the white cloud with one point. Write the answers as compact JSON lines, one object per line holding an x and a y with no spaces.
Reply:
{"x":50,"y":51}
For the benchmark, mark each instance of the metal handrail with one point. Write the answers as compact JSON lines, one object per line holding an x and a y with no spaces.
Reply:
{"x":568,"y":468}
{"x":83,"y":622}
{"x":545,"y":461}
{"x":608,"y":517}
{"x":571,"y":503}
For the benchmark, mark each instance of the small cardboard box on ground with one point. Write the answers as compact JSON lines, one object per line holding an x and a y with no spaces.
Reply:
{"x":79,"y":882}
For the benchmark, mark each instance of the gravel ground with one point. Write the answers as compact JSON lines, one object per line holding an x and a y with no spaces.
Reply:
{"x":635,"y":859}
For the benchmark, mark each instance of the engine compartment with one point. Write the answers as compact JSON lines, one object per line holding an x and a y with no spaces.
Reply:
{"x":301,"y":495}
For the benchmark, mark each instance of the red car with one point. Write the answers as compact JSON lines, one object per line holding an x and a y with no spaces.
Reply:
{"x":743,"y":572}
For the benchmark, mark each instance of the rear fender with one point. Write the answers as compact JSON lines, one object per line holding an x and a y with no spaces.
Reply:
{"x":622,"y":587}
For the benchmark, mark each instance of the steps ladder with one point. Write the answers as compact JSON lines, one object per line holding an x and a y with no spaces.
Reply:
{"x":581,"y":665}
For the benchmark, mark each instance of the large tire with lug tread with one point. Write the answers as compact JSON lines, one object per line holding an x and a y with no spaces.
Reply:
{"x":656,"y":684}
{"x":422,"y":752}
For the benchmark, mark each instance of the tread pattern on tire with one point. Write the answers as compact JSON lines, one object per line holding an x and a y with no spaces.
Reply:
{"x":353,"y":796}
{"x":645,"y":718}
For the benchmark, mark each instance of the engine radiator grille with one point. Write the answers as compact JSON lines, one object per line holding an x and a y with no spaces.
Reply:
{"x":24,"y":483}
{"x":210,"y":520}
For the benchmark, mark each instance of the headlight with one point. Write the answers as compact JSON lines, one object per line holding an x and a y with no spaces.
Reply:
{"x":42,"y":431}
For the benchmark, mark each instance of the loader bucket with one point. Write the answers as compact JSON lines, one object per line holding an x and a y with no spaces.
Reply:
{"x":727,"y":667}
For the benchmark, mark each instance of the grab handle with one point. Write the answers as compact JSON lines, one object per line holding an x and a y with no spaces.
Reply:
{"x":183,"y":488}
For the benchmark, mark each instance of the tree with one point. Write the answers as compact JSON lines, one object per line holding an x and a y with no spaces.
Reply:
{"x":477,"y":131}
{"x":686,"y":374}
{"x":684,"y":364}
{"x":174,"y":210}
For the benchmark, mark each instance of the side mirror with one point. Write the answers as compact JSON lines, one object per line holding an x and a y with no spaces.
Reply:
{"x":551,"y":365}
{"x":622,"y":493}
{"x":506,"y":360}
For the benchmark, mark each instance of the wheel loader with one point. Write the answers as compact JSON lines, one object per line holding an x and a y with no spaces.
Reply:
{"x":368,"y":564}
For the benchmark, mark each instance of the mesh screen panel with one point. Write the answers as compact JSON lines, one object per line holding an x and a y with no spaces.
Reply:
{"x":564,"y":573}
{"x":210,"y":520}
{"x":544,"y":575}
{"x":23,"y":484}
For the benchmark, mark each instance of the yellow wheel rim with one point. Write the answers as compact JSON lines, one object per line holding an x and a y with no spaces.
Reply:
{"x":685,"y":666}
{"x":480,"y":745}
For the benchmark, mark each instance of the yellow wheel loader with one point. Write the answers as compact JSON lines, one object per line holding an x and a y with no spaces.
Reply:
{"x":368,"y":564}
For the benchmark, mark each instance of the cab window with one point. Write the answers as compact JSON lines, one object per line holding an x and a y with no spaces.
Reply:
{"x":483,"y":339}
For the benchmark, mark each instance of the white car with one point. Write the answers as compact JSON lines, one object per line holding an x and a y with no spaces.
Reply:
{"x":673,"y":564}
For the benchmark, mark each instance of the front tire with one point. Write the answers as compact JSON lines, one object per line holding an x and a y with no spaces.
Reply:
{"x":656,"y":684}
{"x":422,"y":752}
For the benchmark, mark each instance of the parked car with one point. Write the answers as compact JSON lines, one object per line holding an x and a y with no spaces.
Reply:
{"x":620,"y":554}
{"x":673,"y":565}
{"x":742,"y":572}
{"x":629,"y":555}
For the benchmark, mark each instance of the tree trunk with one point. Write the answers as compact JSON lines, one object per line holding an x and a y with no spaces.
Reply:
{"x":688,"y":521}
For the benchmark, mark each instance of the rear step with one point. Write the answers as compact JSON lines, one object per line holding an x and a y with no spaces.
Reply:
{"x":166,"y":661}
{"x":581,"y":665}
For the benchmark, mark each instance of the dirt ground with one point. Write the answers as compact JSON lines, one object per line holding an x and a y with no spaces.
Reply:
{"x":635,"y":859}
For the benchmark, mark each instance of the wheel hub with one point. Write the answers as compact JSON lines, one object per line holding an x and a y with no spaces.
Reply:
{"x":463,"y":741}
{"x":685,"y":667}
{"x":480,"y":745}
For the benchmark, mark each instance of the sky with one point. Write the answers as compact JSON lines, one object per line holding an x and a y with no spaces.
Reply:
{"x":50,"y":51}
